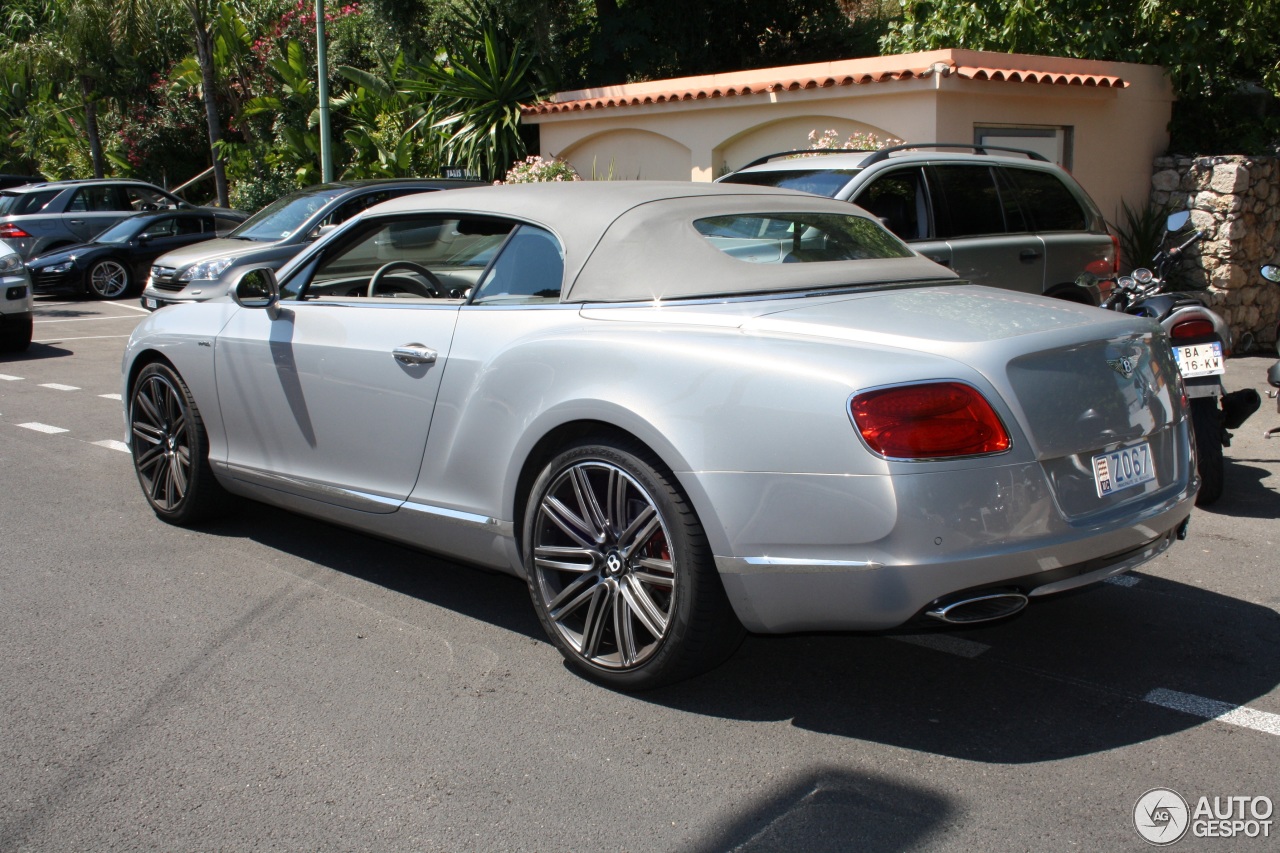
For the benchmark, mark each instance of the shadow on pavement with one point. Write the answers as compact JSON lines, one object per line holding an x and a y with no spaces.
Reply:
{"x":1066,"y":678}
{"x":35,"y":353}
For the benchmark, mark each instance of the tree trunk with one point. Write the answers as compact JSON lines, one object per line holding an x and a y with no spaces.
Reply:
{"x":204,"y":55}
{"x":91,"y":126}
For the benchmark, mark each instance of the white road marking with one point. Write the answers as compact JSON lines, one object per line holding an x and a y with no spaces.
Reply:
{"x":88,"y":338}
{"x":112,"y":444}
{"x":109,"y":396}
{"x":1122,"y":580}
{"x":57,"y":387}
{"x":89,"y":319}
{"x":7,"y":378}
{"x":39,"y":427}
{"x":137,"y":308}
{"x":1212,"y":709}
{"x":944,"y":643}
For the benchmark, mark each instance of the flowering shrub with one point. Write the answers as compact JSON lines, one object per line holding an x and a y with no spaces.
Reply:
{"x":534,"y":169}
{"x":856,"y":141}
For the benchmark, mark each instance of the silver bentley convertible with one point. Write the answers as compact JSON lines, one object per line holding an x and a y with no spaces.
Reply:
{"x":678,"y":411}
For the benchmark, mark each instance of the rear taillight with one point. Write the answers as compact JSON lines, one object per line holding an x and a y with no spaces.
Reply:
{"x":928,"y":421}
{"x":1199,"y":328}
{"x":12,"y":232}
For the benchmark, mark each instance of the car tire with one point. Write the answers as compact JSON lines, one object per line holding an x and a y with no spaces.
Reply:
{"x":634,"y":603}
{"x":108,"y":279}
{"x":16,"y":336}
{"x":170,"y":449}
{"x":1206,"y":419}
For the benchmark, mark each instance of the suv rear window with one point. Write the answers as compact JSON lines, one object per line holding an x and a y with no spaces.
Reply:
{"x":783,"y":238}
{"x":18,"y":204}
{"x":827,"y":182}
{"x":1047,"y":201}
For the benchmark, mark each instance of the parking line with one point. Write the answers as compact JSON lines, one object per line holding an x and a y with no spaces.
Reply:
{"x":948,"y":643}
{"x":88,"y":338}
{"x":57,"y":387}
{"x":87,"y":319}
{"x":7,"y":378}
{"x":109,"y":396}
{"x":112,"y":444}
{"x":1212,"y":709}
{"x":39,"y":427}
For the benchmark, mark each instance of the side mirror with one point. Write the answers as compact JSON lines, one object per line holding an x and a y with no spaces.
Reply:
{"x":256,"y":287}
{"x":1271,"y":272}
{"x":1177,"y":221}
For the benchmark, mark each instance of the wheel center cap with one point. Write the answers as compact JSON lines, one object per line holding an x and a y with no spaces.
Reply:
{"x":613,"y":563}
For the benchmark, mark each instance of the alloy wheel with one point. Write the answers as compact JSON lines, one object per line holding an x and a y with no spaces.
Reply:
{"x":161,"y":441}
{"x":108,"y":280}
{"x":604,"y":566}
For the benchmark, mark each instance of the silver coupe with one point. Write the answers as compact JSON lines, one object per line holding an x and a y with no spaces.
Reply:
{"x":678,"y":411}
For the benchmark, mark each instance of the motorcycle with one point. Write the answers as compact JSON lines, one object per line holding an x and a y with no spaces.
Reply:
{"x":1271,"y":272}
{"x":1201,"y":342}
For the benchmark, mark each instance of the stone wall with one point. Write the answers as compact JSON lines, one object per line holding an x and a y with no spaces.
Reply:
{"x":1236,"y":202}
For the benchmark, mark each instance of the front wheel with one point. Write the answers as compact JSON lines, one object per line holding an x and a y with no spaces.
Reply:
{"x":1206,"y":418}
{"x":108,"y":279}
{"x":171,"y":450}
{"x":620,"y":571}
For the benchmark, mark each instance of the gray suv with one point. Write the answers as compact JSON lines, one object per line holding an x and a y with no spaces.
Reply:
{"x":273,"y":235}
{"x":38,"y":218}
{"x":1017,"y":222}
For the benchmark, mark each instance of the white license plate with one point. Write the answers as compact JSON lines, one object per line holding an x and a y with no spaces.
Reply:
{"x":148,"y":302}
{"x":1199,"y":359}
{"x":1120,"y":469}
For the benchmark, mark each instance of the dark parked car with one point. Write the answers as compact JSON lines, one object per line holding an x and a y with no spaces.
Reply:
{"x":110,"y":265}
{"x":273,"y":235}
{"x":39,"y":218}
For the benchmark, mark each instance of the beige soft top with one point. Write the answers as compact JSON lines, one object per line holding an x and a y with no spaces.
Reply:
{"x":627,"y":241}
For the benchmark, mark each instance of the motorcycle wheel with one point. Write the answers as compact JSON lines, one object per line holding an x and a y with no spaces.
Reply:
{"x":1206,"y":419}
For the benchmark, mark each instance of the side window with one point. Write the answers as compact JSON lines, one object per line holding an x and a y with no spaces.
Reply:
{"x":165,"y":227}
{"x":971,"y":201}
{"x":221,"y":223}
{"x":899,"y":200}
{"x":141,"y":198}
{"x":530,"y":268}
{"x":94,"y":200}
{"x":33,"y":202}
{"x":420,"y":256}
{"x":187,"y":225}
{"x":1049,"y":203}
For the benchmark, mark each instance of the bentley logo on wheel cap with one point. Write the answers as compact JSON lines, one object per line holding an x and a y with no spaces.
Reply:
{"x":613,"y":563}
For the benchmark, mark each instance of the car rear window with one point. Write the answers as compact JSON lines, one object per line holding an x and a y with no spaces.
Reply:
{"x":827,"y":182}
{"x":18,"y":204}
{"x":1048,"y":202}
{"x":783,"y":238}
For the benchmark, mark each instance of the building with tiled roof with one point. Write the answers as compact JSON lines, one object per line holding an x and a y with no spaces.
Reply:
{"x":1105,"y":121}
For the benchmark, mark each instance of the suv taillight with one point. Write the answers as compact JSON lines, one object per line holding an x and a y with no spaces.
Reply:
{"x":1191,"y":329}
{"x":12,"y":232}
{"x":928,"y":421}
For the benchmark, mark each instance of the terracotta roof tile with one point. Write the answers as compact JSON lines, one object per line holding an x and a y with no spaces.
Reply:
{"x":772,"y":80}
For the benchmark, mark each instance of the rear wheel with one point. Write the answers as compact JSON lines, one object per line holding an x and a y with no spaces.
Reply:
{"x":1206,"y":418}
{"x":620,"y":571}
{"x":108,"y":279}
{"x":171,"y":450}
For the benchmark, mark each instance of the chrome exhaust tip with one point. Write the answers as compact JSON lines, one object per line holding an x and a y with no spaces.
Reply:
{"x":978,"y":608}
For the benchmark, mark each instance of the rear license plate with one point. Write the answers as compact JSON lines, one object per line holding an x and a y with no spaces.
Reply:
{"x":1199,"y":359}
{"x":1120,"y":469}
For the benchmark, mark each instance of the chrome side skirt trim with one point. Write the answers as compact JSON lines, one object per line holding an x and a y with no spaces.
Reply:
{"x":468,"y":519}
{"x":771,"y":565}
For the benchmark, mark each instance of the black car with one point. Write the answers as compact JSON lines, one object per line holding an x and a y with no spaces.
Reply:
{"x":111,"y":264}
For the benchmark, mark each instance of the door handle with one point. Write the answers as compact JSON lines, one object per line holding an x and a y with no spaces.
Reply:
{"x":1028,"y":255}
{"x":414,"y":354}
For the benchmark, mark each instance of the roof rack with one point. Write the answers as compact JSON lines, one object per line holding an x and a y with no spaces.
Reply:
{"x":881,"y":154}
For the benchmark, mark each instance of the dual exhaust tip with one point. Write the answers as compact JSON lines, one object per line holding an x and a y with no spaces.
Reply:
{"x":972,"y":609}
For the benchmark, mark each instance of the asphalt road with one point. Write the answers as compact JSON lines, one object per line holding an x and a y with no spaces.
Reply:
{"x":273,"y":683}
